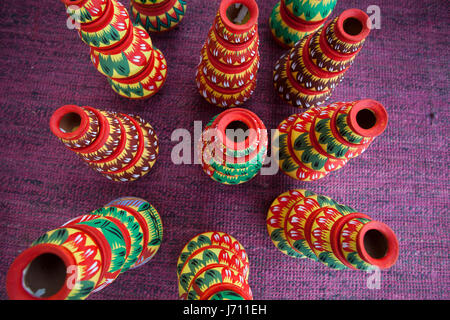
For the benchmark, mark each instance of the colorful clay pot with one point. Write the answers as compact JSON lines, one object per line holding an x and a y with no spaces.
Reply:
{"x":233,"y":146}
{"x":42,"y":271}
{"x":158,"y":16}
{"x":87,"y":253}
{"x":85,"y":11}
{"x":213,"y":265}
{"x":128,"y":60}
{"x":146,"y":83}
{"x":309,"y":145}
{"x":150,"y":221}
{"x":307,"y":75}
{"x":110,"y":231}
{"x":121,"y":51}
{"x":125,"y":147}
{"x":303,"y":224}
{"x":292,"y":20}
{"x":226,"y":74}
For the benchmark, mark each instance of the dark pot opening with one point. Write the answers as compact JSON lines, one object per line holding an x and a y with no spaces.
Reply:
{"x":352,"y":26}
{"x":238,"y":13}
{"x":70,"y":122}
{"x":375,"y":244}
{"x":45,"y":275}
{"x":366,"y":119}
{"x":237,"y":131}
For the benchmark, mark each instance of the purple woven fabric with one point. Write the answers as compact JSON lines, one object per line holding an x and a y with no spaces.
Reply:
{"x":401,"y":180}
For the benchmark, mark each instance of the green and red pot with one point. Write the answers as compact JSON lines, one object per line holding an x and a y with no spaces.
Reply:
{"x":310,"y":145}
{"x":292,"y":20}
{"x":233,"y":146}
{"x":158,"y":15}
{"x":87,"y":253}
{"x":213,"y":266}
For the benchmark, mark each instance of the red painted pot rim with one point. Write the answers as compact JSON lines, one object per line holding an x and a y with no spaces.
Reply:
{"x":336,"y":232}
{"x":74,"y":2}
{"x":297,"y":23}
{"x":242,"y":115}
{"x":359,"y":15}
{"x":391,"y":255}
{"x":379,"y":112}
{"x":14,"y":276}
{"x":102,"y":135}
{"x":153,"y":10}
{"x":101,"y":242}
{"x":336,"y":133}
{"x":253,"y":10}
{"x":57,"y":116}
{"x":215,"y":288}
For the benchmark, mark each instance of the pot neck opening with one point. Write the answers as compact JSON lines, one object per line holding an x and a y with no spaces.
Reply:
{"x":375,"y":244}
{"x":44,"y":276}
{"x":238,"y":13}
{"x":70,"y":122}
{"x":352,"y":26}
{"x":366,"y":119}
{"x":237,"y":131}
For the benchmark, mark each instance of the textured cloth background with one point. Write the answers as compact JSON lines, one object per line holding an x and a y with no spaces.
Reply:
{"x":401,"y":180}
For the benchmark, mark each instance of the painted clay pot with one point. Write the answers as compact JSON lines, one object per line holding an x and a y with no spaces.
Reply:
{"x":309,"y":145}
{"x":112,"y":232}
{"x":42,"y":271}
{"x":125,"y":147}
{"x":150,"y":222}
{"x":129,"y":59}
{"x":87,"y":253}
{"x":307,"y":75}
{"x":121,"y":51}
{"x":292,"y":20}
{"x":85,"y":11}
{"x":229,"y":62}
{"x":233,"y":146}
{"x":303,"y":224}
{"x":213,"y":265}
{"x":146,"y":83}
{"x":109,"y":30}
{"x":158,"y":16}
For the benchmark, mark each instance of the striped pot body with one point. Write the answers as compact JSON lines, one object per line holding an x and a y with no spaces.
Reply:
{"x":303,"y":224}
{"x":87,"y":253}
{"x":229,"y":62}
{"x":121,"y":147}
